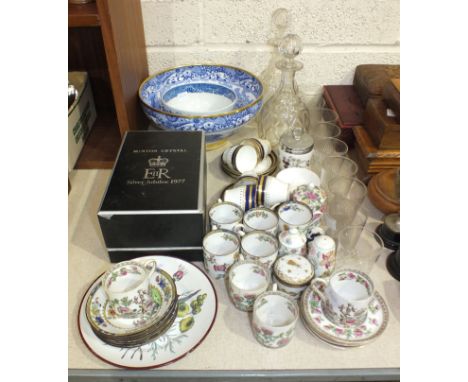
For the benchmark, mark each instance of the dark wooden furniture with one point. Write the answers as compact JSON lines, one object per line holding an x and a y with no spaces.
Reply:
{"x":106,"y":39}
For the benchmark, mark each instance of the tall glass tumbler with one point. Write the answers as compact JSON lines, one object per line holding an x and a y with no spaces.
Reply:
{"x":334,"y":166}
{"x":345,"y":197}
{"x":358,"y":248}
{"x":320,"y":130}
{"x":326,"y":147}
{"x":322,"y":114}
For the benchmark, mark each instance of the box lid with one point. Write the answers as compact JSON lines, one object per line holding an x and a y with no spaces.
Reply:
{"x":157,"y":172}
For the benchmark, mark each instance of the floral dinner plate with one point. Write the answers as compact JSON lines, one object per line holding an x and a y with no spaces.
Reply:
{"x":316,"y":321}
{"x":197,"y":308}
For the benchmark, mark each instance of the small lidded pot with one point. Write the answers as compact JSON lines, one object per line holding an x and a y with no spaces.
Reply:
{"x":295,"y":149}
{"x":292,"y":273}
{"x":292,"y":242}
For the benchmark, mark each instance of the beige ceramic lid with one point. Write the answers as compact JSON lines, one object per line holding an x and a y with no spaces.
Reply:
{"x":293,"y":269}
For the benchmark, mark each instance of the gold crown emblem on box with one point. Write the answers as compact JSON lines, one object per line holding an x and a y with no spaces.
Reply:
{"x":158,"y":162}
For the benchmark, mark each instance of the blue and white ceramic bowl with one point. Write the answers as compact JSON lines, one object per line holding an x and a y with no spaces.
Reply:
{"x":198,"y":99}
{"x":247,"y":88}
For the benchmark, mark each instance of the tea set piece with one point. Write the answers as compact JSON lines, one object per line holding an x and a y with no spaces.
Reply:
{"x":295,"y":215}
{"x":265,"y":167}
{"x":271,"y":191}
{"x":260,"y":246}
{"x":298,"y":176}
{"x":292,"y":242}
{"x":292,"y":273}
{"x":220,"y":250}
{"x":246,"y":280}
{"x":127,"y":319}
{"x":295,"y":149}
{"x":225,"y":215}
{"x":241,"y":158}
{"x":260,"y":219}
{"x":244,"y":196}
{"x":322,"y":255}
{"x":346,"y":296}
{"x":192,"y":319}
{"x":319,"y":323}
{"x":262,"y":146}
{"x":274,"y":318}
{"x":315,"y":197}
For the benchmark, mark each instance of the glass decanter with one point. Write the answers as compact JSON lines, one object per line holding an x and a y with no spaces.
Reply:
{"x":270,"y":76}
{"x":285,"y":111}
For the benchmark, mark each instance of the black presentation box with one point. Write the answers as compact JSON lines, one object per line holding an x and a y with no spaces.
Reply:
{"x":156,"y":197}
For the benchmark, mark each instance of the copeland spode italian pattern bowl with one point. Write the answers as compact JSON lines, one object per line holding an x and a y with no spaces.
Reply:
{"x":247,"y":88}
{"x":196,"y":313}
{"x":352,"y":336}
{"x":156,"y":304}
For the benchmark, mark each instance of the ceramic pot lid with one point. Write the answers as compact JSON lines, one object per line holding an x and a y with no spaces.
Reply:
{"x":293,"y":270}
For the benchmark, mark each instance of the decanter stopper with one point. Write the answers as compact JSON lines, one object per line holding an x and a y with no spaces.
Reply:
{"x":290,"y":47}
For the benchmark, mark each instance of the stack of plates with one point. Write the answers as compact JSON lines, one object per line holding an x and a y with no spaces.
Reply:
{"x":268,"y":168}
{"x":343,"y":336}
{"x":130,"y":332}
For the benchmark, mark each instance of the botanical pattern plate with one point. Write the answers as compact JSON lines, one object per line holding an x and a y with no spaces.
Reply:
{"x":315,"y":320}
{"x":197,"y":308}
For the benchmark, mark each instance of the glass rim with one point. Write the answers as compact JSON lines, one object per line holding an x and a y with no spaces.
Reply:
{"x":362,"y":229}
{"x":352,"y":178}
{"x":329,"y":158}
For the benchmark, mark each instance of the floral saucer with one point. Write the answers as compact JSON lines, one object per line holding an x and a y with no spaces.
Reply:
{"x":196,"y":313}
{"x":352,"y":336}
{"x":156,"y":305}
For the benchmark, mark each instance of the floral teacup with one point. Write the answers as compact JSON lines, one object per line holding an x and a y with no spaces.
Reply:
{"x":126,"y":284}
{"x":346,"y":297}
{"x":260,"y":219}
{"x":295,"y":215}
{"x":275,"y":315}
{"x":225,"y":215}
{"x":220,"y":251}
{"x":315,"y":197}
{"x":261,"y":246}
{"x":247,"y":279}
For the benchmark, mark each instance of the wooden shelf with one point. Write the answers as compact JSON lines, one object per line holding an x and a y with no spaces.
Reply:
{"x":83,"y":15}
{"x":102,"y":145}
{"x":106,"y":39}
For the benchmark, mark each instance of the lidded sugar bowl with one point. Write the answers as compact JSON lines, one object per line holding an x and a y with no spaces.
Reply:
{"x":292,"y":273}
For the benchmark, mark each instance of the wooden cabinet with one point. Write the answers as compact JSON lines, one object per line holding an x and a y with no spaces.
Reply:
{"x":106,"y":39}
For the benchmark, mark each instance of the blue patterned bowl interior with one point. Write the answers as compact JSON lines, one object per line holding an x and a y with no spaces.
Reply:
{"x":246,"y":88}
{"x":225,"y":99}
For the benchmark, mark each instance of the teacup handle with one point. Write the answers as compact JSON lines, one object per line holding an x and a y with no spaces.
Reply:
{"x":274,"y":287}
{"x":321,"y":281}
{"x":153,"y":267}
{"x":239,"y":229}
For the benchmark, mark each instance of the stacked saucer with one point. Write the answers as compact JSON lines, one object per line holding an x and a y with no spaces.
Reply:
{"x":368,"y":324}
{"x":136,"y":321}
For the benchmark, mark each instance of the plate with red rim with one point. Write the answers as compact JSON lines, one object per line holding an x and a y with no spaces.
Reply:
{"x":197,"y":309}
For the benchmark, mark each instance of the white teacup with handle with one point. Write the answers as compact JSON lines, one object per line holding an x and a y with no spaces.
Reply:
{"x":346,"y":296}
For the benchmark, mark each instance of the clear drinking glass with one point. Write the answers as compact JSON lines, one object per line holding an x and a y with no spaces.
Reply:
{"x":345,"y":197}
{"x":322,"y":114}
{"x":326,"y":147}
{"x":334,"y":166}
{"x":320,"y":130}
{"x":358,"y":248}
